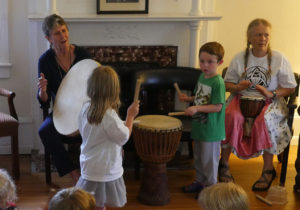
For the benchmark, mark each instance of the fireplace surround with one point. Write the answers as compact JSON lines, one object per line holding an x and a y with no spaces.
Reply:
{"x":128,"y":60}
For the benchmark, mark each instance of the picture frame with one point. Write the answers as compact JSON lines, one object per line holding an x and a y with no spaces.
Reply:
{"x":122,"y":6}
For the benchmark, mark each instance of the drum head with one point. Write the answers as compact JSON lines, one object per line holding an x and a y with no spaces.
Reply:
{"x":253,"y":98}
{"x":71,"y":95}
{"x":158,"y":122}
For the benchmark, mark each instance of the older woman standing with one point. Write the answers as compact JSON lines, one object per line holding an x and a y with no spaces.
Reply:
{"x":53,"y":66}
{"x":258,"y":72}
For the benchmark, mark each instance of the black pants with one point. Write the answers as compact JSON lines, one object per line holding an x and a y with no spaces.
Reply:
{"x":53,"y":142}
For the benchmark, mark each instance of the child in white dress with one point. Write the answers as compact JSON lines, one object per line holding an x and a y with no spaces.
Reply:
{"x":103,"y":135}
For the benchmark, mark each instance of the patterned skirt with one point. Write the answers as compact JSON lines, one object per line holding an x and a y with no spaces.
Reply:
{"x":270,"y":131}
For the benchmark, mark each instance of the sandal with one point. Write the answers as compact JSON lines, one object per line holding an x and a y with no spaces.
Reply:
{"x":265,"y":180}
{"x":223,"y":177}
{"x":195,"y":187}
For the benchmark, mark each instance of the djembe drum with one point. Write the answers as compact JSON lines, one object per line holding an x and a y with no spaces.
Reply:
{"x":156,"y":139}
{"x":250,"y":107}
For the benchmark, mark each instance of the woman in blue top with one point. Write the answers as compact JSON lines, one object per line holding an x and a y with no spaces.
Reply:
{"x":53,"y":66}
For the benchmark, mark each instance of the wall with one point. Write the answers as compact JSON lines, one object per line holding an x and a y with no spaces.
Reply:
{"x":27,"y":43}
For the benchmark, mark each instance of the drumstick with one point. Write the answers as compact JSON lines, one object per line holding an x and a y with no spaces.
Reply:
{"x":263,"y":199}
{"x":177,"y":88}
{"x":175,"y":113}
{"x":137,"y":89}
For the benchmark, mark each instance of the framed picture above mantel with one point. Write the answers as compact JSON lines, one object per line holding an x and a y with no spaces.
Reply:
{"x":122,"y":6}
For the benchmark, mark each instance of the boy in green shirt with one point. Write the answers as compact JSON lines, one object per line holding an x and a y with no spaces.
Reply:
{"x":208,"y":113}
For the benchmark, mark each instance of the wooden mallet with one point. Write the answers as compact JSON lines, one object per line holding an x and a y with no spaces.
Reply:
{"x":177,"y":88}
{"x":175,"y":113}
{"x":137,"y":89}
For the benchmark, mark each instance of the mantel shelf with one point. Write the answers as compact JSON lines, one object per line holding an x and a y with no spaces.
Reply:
{"x":131,"y":18}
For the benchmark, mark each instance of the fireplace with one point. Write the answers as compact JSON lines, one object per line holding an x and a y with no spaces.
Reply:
{"x":128,"y":60}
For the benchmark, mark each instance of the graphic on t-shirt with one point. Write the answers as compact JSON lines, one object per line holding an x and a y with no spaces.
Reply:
{"x":202,"y":96}
{"x":257,"y":75}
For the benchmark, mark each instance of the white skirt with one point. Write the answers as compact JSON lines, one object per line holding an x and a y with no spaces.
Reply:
{"x":112,"y":194}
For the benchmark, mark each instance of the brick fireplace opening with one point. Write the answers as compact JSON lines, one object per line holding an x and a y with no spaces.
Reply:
{"x":128,"y":60}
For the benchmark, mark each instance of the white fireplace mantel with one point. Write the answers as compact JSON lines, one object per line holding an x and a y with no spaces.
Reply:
{"x":132,"y":18}
{"x":194,"y":22}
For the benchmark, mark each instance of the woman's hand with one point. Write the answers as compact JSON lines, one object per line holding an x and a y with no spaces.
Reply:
{"x":42,"y":85}
{"x":244,"y":84}
{"x":264,"y":91}
{"x":235,"y":88}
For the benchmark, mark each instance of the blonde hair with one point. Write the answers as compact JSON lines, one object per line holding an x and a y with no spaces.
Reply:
{"x":224,"y":196}
{"x":52,"y":21}
{"x":72,"y":199}
{"x":104,"y":91}
{"x":7,"y":189}
{"x":251,"y":25}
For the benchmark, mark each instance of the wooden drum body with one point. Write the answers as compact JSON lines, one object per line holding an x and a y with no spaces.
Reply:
{"x":250,"y":108}
{"x":156,"y":139}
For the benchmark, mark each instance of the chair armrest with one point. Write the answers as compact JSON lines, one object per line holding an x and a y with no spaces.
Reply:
{"x":292,"y":103}
{"x":10,"y":97}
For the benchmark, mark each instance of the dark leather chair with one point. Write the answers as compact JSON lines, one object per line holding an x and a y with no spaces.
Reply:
{"x":73,"y":147}
{"x":297,"y":164}
{"x":9,"y":127}
{"x":157,"y":93}
{"x":292,"y":105}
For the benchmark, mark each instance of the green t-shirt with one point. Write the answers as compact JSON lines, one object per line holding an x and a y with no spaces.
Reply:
{"x":209,"y":126}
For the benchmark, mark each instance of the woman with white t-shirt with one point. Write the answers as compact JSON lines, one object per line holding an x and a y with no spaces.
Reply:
{"x":257,"y":72}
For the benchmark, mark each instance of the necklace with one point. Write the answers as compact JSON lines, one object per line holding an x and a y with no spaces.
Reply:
{"x":61,"y":66}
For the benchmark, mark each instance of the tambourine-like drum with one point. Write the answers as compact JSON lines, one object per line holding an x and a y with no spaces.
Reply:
{"x":70,"y":97}
{"x":156,"y":139}
{"x":250,"y":107}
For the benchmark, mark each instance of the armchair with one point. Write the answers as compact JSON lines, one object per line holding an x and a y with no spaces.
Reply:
{"x":9,"y":127}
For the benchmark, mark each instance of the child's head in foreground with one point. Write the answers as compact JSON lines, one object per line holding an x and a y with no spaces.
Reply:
{"x":72,"y":199}
{"x":224,"y":196}
{"x":7,"y":189}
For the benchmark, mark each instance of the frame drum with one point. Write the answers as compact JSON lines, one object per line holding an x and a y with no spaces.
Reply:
{"x":71,"y":95}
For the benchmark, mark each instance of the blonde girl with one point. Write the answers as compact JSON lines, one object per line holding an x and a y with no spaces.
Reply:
{"x":103,"y":135}
{"x":224,"y":196}
{"x":72,"y":199}
{"x":8,"y":193}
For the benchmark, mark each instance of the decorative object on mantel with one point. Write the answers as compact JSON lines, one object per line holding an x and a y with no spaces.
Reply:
{"x":122,"y":6}
{"x":51,"y":7}
{"x":196,"y":8}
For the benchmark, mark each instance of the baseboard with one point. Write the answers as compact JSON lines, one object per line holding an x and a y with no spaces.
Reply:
{"x":5,"y":150}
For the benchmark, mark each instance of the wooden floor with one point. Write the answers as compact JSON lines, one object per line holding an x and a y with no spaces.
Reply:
{"x":34,"y":193}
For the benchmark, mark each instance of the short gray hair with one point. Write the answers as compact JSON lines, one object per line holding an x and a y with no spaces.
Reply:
{"x":52,"y":21}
